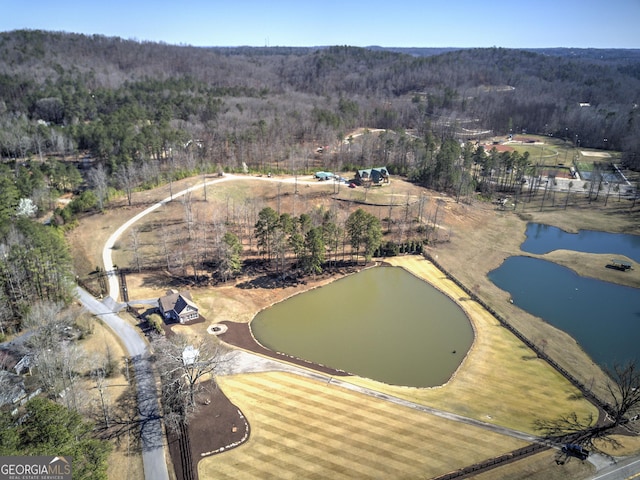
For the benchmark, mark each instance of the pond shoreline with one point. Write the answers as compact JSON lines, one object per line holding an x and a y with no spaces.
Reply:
{"x":239,"y":335}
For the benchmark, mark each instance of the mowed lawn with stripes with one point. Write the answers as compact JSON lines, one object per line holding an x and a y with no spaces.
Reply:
{"x":304,"y":428}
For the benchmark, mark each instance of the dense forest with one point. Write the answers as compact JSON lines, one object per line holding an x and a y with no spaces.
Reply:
{"x":137,"y":114}
{"x":132,"y":103}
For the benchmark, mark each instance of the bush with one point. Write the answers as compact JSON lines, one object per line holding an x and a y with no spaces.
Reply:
{"x":156,"y":322}
{"x":86,"y":201}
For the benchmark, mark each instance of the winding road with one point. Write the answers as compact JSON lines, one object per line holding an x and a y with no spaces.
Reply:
{"x":152,"y":436}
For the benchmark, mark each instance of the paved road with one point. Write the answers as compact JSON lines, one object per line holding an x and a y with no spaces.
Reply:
{"x":622,"y":470}
{"x":153,"y":457}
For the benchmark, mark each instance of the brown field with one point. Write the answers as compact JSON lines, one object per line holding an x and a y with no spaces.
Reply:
{"x":472,"y":239}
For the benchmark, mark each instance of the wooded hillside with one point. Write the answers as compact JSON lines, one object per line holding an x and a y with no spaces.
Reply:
{"x":130,"y":102}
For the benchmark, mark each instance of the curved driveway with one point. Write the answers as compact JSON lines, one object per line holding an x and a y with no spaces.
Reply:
{"x":153,"y":452}
{"x":153,"y":458}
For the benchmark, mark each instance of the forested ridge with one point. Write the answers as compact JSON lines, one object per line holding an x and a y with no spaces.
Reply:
{"x":293,"y":94}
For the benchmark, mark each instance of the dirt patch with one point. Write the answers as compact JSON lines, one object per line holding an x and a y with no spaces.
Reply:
{"x":499,"y":148}
{"x":217,"y":427}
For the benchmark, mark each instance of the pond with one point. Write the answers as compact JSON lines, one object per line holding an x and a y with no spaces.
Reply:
{"x":603,"y":317}
{"x":382,"y":323}
{"x":543,"y":239}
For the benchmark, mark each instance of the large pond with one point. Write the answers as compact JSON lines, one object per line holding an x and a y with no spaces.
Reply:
{"x":603,"y":317}
{"x":382,"y":323}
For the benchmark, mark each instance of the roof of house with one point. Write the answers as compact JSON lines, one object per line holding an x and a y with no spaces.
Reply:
{"x":368,"y":171}
{"x":176,"y":301}
{"x":183,"y":302}
{"x":12,"y":388}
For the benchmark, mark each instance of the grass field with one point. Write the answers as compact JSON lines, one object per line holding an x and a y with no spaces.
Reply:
{"x":302,"y":428}
{"x":556,"y":151}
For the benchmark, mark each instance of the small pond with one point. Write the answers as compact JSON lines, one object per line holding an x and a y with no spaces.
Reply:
{"x":382,"y":323}
{"x":543,"y":239}
{"x":603,"y":317}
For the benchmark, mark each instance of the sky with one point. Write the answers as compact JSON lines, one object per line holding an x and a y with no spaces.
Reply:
{"x":403,"y":23}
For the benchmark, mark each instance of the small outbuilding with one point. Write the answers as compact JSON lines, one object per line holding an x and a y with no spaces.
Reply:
{"x":324,"y":175}
{"x":178,"y":306}
{"x":621,"y":265}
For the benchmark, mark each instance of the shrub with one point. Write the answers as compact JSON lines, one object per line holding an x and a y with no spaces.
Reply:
{"x":156,"y":322}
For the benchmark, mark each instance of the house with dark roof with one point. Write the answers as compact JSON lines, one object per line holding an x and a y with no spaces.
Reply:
{"x":372,"y":176}
{"x":178,"y":306}
{"x":13,"y":389}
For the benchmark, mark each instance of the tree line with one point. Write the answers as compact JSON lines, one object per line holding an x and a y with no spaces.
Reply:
{"x":136,"y":115}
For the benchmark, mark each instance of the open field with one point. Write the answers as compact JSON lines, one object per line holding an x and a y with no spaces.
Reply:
{"x":546,"y":150}
{"x":474,"y":239}
{"x":306,"y":429}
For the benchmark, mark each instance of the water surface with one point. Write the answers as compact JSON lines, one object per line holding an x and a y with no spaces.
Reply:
{"x":543,"y":239}
{"x":382,"y":323}
{"x":603,"y":317}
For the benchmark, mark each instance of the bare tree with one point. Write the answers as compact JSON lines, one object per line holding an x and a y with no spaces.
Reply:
{"x":134,"y":236}
{"x":48,"y":321}
{"x":187,"y":203}
{"x":128,"y":177}
{"x":57,"y":359}
{"x":184,"y":364}
{"x":99,"y":376}
{"x":624,"y":389}
{"x":99,"y":181}
{"x":165,"y":241}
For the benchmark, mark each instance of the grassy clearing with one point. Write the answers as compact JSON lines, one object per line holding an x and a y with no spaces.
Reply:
{"x":551,"y":151}
{"x":543,"y":154}
{"x":302,"y":428}
{"x":628,"y":446}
